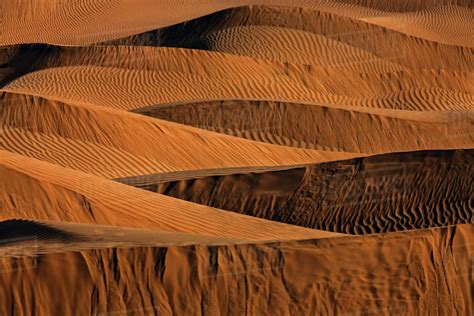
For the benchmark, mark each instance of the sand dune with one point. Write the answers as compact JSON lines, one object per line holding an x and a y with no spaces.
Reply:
{"x":113,"y":151}
{"x":295,"y":46}
{"x":169,"y":59}
{"x":375,"y":194}
{"x":146,"y":76}
{"x":442,"y":24}
{"x":444,"y":131}
{"x":139,"y":73}
{"x":236,"y":157}
{"x":145,"y":88}
{"x":131,"y":143}
{"x":416,"y":272}
{"x":73,"y":196}
{"x":275,"y":122}
{"x":95,"y":159}
{"x":27,"y":237}
{"x":410,"y":52}
{"x":114,"y":19}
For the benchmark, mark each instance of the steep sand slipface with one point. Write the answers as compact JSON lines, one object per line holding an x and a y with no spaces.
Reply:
{"x":376,"y":194}
{"x":73,"y":196}
{"x":405,"y":273}
{"x":154,"y":145}
{"x":324,"y":128}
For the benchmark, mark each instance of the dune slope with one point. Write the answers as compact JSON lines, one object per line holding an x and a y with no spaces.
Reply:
{"x":375,"y":194}
{"x":69,"y":195}
{"x":419,"y":271}
{"x":236,"y":157}
{"x":114,"y":19}
{"x":116,"y":143}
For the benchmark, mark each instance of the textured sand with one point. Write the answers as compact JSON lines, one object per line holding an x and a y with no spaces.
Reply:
{"x":376,"y":194}
{"x":73,"y":196}
{"x":416,"y":272}
{"x":325,"y":128}
{"x":20,"y":237}
{"x":113,"y":19}
{"x":233,"y":157}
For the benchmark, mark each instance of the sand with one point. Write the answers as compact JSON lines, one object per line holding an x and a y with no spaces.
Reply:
{"x":422,"y":271}
{"x":115,"y":19}
{"x":390,"y":192}
{"x":73,"y":196}
{"x":232,"y":157}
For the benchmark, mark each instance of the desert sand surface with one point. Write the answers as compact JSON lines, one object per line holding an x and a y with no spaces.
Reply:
{"x":236,"y":157}
{"x":438,"y":21}
{"x":382,"y":193}
{"x":268,"y":278}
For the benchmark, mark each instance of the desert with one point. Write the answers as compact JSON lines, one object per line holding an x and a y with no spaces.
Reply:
{"x":236,"y":157}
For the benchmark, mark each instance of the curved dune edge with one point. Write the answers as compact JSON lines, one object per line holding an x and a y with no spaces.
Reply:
{"x":300,"y":47}
{"x":97,"y":159}
{"x":166,"y":75}
{"x":103,"y":161}
{"x":156,"y":88}
{"x":131,"y":143}
{"x":273,"y":278}
{"x":236,"y":157}
{"x":73,"y":196}
{"x":354,"y":35}
{"x":314,"y":127}
{"x":20,"y":237}
{"x":105,"y":21}
{"x":420,"y":24}
{"x":390,"y":192}
{"x":108,"y":152}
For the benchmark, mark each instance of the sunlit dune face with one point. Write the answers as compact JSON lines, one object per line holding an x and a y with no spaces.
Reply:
{"x":232,"y":157}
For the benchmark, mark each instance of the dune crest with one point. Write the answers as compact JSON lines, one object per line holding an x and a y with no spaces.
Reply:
{"x":114,"y":19}
{"x":236,"y":157}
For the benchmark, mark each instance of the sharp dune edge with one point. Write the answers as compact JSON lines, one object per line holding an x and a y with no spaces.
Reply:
{"x":47,"y":236}
{"x":122,"y":18}
{"x":172,"y":157}
{"x":74,"y":196}
{"x":365,"y":195}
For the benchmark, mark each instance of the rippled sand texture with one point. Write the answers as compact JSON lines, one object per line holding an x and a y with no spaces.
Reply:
{"x":234,"y":157}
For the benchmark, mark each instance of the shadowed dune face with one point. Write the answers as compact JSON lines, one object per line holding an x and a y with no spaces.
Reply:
{"x":233,"y":157}
{"x":420,"y":20}
{"x":305,"y":277}
{"x":413,"y":52}
{"x":13,"y":231}
{"x":390,"y":192}
{"x":324,"y":128}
